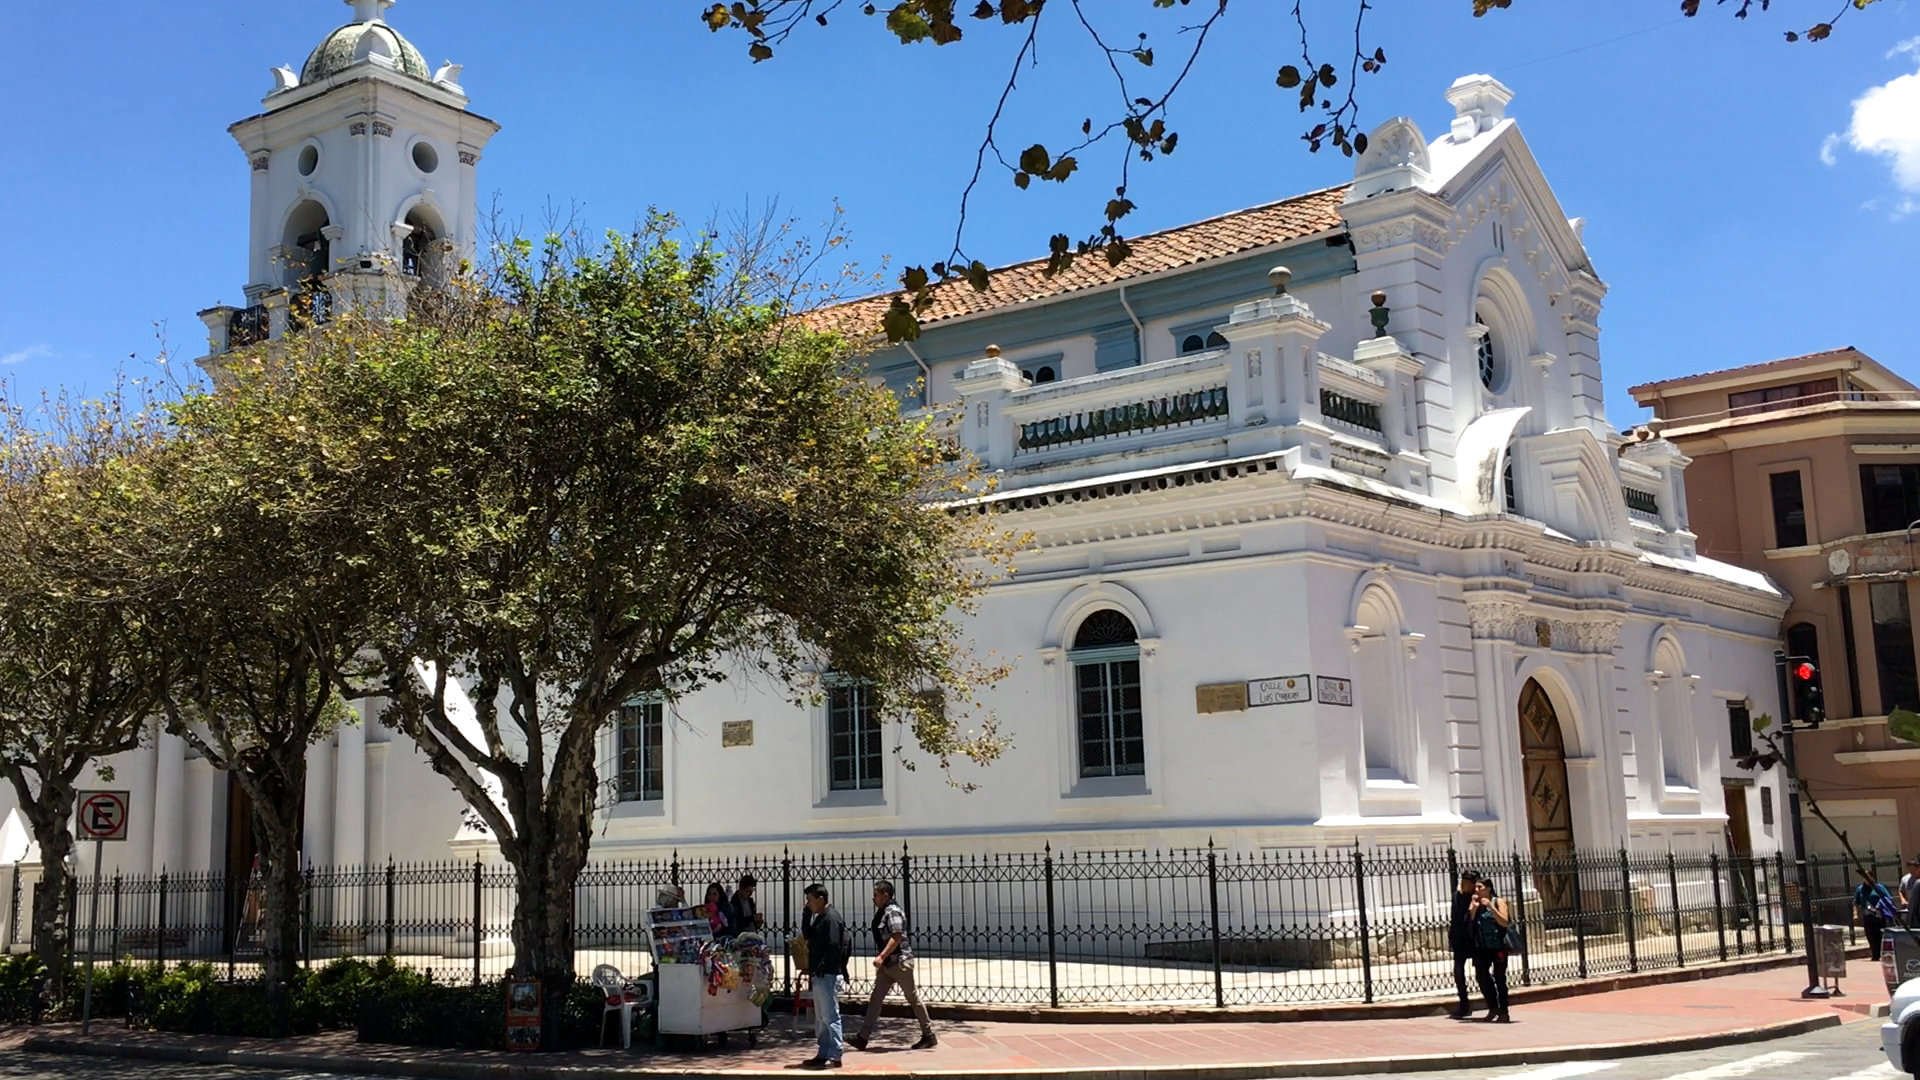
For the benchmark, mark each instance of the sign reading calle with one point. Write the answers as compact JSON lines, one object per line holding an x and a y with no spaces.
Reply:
{"x":1280,"y":690}
{"x":1335,"y":691}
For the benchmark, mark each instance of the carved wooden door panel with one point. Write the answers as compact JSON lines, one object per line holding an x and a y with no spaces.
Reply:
{"x":1543,"y":755}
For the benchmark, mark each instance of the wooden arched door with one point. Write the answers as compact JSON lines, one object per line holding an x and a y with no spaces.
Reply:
{"x":1543,"y":758}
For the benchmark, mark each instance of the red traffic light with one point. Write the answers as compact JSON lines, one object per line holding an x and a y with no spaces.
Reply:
{"x":1804,"y":672}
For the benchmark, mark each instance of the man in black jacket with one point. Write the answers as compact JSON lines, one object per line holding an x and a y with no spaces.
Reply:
{"x":1460,"y":940}
{"x":829,"y":946}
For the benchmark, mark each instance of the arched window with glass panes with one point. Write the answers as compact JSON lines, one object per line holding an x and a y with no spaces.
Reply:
{"x":1106,"y":696}
{"x":1488,"y":354}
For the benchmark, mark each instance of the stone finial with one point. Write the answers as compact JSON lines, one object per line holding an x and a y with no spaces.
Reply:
{"x":1279,"y":277}
{"x":1479,"y":102}
{"x":1380,"y":313}
{"x":366,"y":11}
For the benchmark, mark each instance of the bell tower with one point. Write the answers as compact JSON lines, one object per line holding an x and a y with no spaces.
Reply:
{"x":364,"y":168}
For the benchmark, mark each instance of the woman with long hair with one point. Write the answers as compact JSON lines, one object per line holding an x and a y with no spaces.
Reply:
{"x":719,"y":911}
{"x":1489,"y":917}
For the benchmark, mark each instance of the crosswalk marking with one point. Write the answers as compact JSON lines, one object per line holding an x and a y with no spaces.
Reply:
{"x":1882,"y":1071}
{"x":1566,"y":1070}
{"x":1743,"y":1067}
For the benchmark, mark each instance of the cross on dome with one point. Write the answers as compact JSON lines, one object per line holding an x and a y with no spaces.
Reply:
{"x":366,"y":11}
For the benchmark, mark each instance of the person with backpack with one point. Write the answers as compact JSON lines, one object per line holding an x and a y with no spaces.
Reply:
{"x":1460,"y":941}
{"x":1490,"y":948}
{"x":829,"y":946}
{"x":892,"y":966}
{"x":1873,"y":910}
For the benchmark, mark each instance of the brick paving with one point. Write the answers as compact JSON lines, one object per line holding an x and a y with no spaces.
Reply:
{"x":1700,"y":1012}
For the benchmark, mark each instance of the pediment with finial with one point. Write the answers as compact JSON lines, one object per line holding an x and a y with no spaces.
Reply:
{"x":1395,"y":159}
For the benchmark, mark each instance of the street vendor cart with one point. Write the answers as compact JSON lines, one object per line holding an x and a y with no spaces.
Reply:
{"x":706,"y":987}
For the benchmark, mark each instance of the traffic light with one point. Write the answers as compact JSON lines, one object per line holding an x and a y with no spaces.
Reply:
{"x":1809,"y":701}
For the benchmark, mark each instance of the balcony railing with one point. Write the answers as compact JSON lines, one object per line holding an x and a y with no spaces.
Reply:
{"x":1764,"y":409}
{"x":1151,"y":414}
{"x":1642,"y":504}
{"x":247,"y":326}
{"x":1350,"y":410}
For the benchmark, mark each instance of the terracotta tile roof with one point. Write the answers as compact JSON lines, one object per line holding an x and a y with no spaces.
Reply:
{"x":1762,"y":369}
{"x":1187,"y":245}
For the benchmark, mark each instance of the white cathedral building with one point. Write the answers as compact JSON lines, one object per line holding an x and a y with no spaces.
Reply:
{"x":1332,"y":542}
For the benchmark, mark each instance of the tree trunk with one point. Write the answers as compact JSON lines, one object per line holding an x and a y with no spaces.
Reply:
{"x":52,"y":920}
{"x":280,"y":932}
{"x":550,"y":857}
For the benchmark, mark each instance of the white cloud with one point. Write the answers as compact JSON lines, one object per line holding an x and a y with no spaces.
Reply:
{"x":1886,"y":122}
{"x":31,"y":352}
{"x":1826,"y":149}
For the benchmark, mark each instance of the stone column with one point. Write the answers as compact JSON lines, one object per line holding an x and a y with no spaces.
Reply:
{"x":206,"y":791}
{"x":318,"y":843}
{"x":983,"y":388}
{"x":169,"y":803}
{"x":1277,"y":336}
{"x":350,"y":795}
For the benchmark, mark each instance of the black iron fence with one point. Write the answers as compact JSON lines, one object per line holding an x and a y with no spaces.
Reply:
{"x":1190,"y":927}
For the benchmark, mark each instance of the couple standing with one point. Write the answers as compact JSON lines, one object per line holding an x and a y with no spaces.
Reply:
{"x":830,"y":947}
{"x":1480,"y":933}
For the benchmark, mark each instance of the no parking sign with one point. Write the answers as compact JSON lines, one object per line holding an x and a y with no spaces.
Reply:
{"x":102,"y":816}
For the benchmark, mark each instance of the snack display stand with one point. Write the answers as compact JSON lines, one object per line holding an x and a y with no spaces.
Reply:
{"x":705,"y":989}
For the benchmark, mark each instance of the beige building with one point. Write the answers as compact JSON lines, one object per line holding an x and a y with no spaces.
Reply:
{"x":1808,"y":469}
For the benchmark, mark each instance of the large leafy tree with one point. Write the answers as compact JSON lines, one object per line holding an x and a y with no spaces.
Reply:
{"x":257,"y":536}
{"x":621,"y":472}
{"x":1144,"y":50}
{"x":81,"y":666}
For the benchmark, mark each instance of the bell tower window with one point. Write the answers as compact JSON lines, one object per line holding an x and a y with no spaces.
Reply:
{"x":1488,"y":354}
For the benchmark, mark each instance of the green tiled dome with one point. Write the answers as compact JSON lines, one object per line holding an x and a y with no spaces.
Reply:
{"x":336,"y":53}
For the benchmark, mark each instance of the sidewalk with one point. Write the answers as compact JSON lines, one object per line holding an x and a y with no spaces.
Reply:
{"x":1652,"y":1019}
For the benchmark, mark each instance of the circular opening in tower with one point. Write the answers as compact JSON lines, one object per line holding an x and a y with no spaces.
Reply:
{"x":425,"y":157}
{"x":309,"y":160}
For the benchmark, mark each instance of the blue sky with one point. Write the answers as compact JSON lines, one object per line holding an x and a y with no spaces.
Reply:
{"x":1746,"y":199}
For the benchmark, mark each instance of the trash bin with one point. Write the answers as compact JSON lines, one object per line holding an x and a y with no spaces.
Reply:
{"x":1830,"y":952}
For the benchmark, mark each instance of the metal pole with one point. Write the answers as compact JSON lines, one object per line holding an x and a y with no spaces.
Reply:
{"x":93,"y":930}
{"x":390,"y":891}
{"x":1579,"y":911}
{"x":786,"y":920}
{"x":1679,"y":932}
{"x":160,"y":930}
{"x":476,"y":920}
{"x":1526,"y":947}
{"x":1814,"y":989}
{"x":1366,"y":946}
{"x":1786,"y":917}
{"x":1213,"y":907}
{"x":1053,"y":951}
{"x":306,"y":918}
{"x":906,"y":888}
{"x":116,"y":915}
{"x":1719,"y":912}
{"x":1627,"y":904}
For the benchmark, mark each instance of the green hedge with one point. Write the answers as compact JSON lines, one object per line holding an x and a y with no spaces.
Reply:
{"x":470,"y":1017}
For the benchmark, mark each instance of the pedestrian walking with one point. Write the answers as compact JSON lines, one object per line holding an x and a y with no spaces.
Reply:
{"x":1490,"y":920}
{"x":1873,"y":910}
{"x":1460,"y":941}
{"x":1910,"y":892}
{"x":829,"y":946}
{"x":892,"y":966}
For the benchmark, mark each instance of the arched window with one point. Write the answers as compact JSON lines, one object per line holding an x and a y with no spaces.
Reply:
{"x":1386,"y":720}
{"x":1215,"y":341}
{"x":1106,"y":692}
{"x":308,"y":252}
{"x":1506,"y":484}
{"x":1488,"y":352}
{"x":1673,"y":710}
{"x":1193,"y":343}
{"x":1045,"y":374}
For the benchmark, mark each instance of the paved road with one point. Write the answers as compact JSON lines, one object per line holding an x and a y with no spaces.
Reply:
{"x":16,"y":1066}
{"x":1848,"y":1052}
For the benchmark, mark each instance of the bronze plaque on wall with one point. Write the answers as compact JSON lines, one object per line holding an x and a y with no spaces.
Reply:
{"x":736,"y":733}
{"x":1220,"y":697}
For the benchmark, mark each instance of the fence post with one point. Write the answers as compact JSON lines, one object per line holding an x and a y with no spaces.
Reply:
{"x":1213,"y":909}
{"x":673,"y":874}
{"x":1719,"y":913}
{"x":1627,"y":899}
{"x":906,"y":886}
{"x":160,"y":925}
{"x":73,"y":910}
{"x":1526,"y":946}
{"x":786,"y":919}
{"x":1786,"y":913}
{"x":1679,"y":932}
{"x":13,"y":906}
{"x":116,"y":917}
{"x":1579,"y":911}
{"x":1366,"y":945}
{"x":390,"y":896}
{"x":306,"y":918}
{"x":476,"y":920}
{"x":1053,"y":949}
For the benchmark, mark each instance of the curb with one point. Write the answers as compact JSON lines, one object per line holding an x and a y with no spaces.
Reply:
{"x":475,"y":1070}
{"x":1433,"y":1005}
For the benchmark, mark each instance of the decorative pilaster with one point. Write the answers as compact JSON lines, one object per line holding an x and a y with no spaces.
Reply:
{"x":984,"y":388}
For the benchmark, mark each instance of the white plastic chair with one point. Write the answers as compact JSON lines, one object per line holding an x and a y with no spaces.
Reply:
{"x":622,"y":997}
